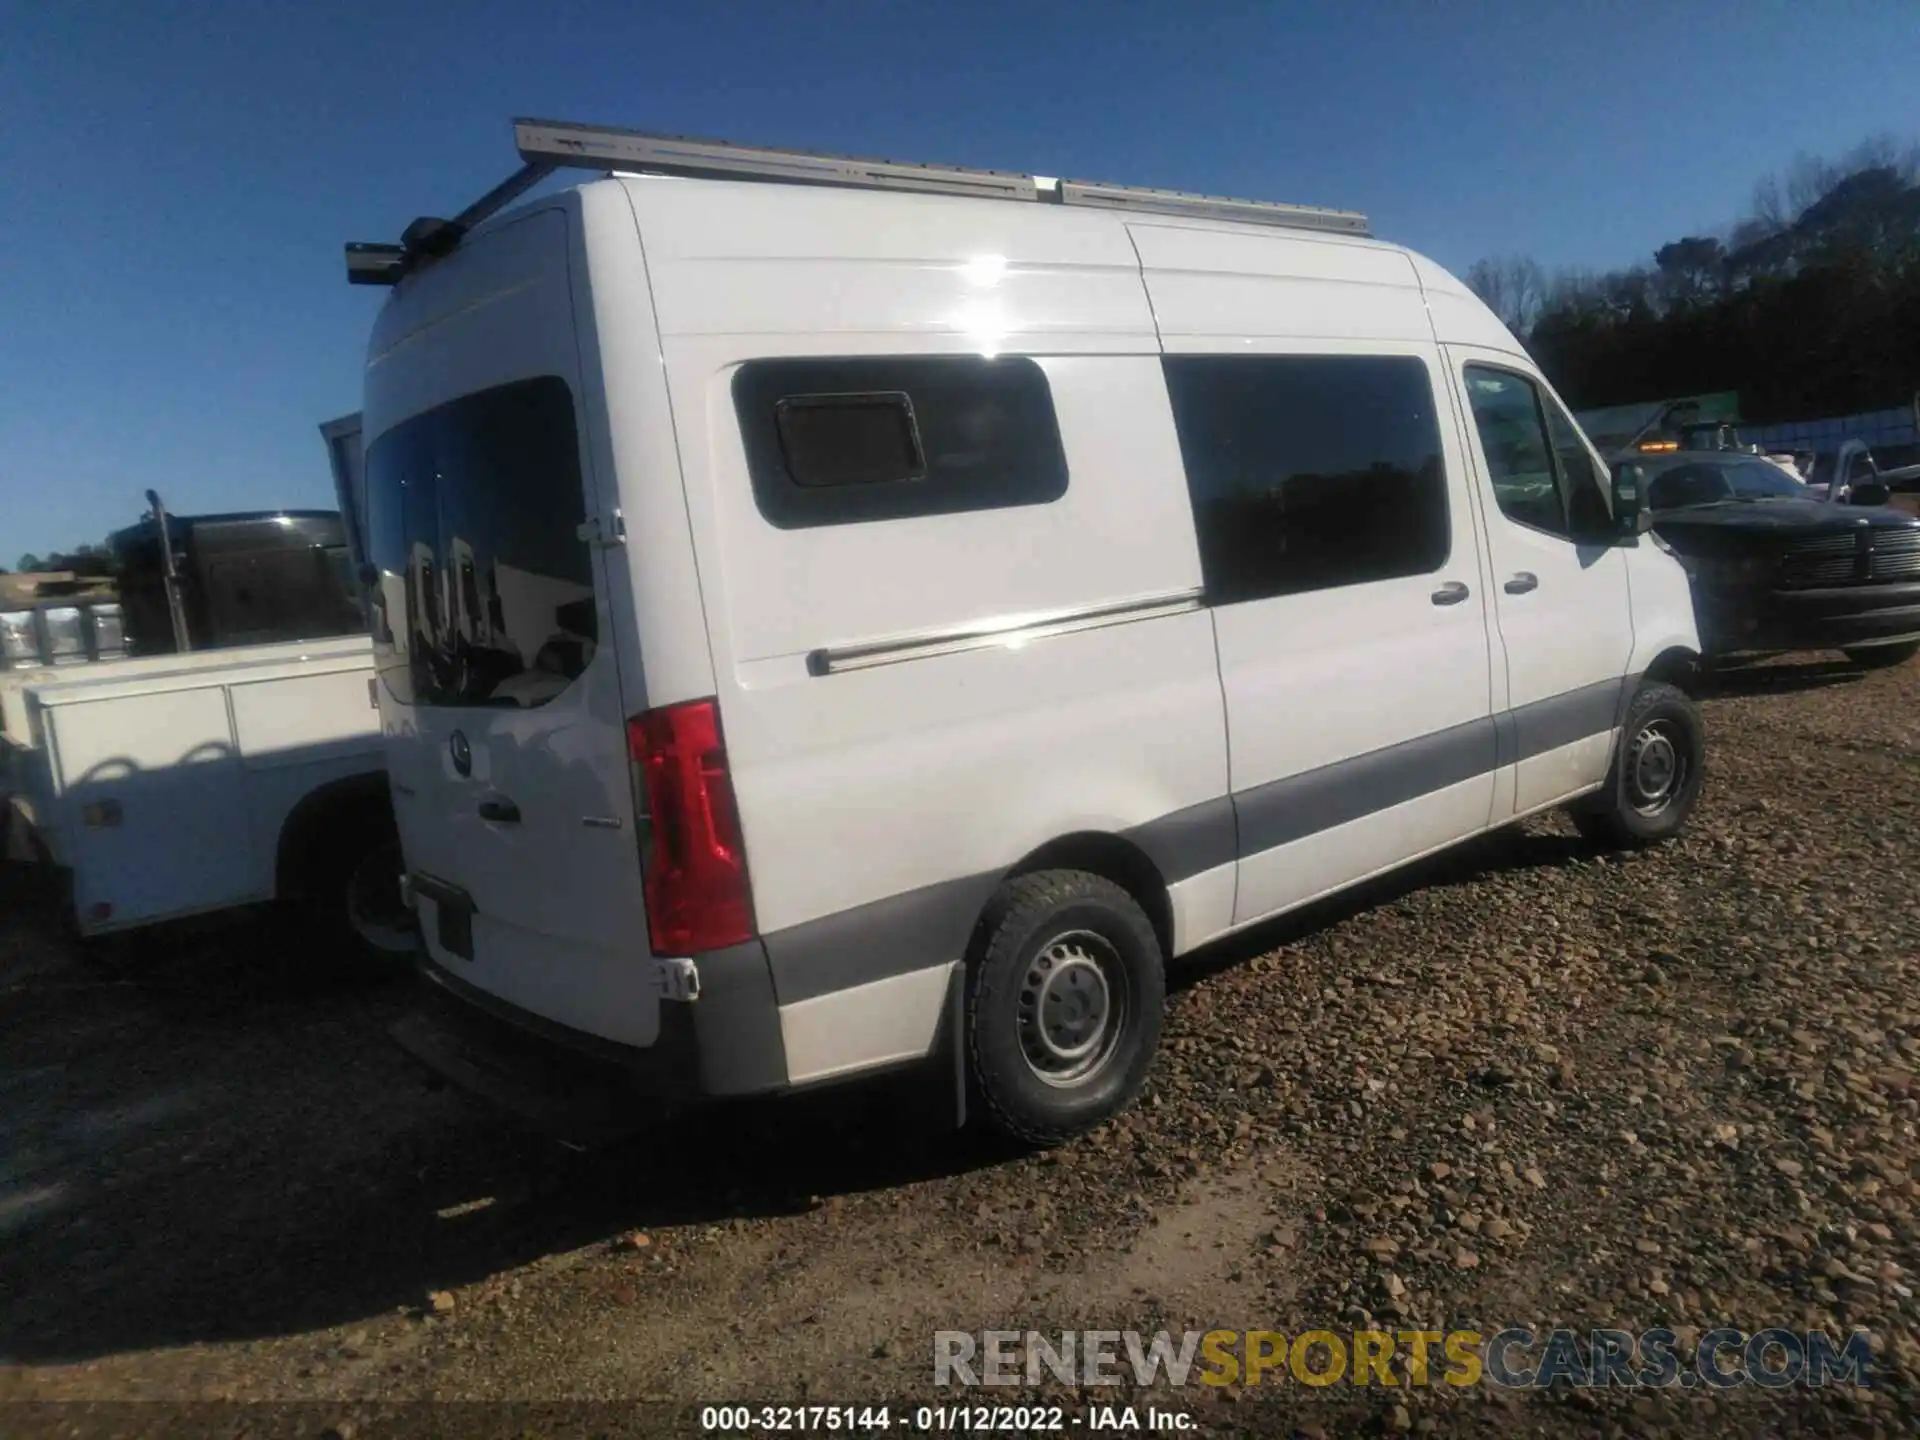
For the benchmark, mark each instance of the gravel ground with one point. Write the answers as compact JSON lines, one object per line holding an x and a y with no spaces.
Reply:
{"x":1524,"y":1084}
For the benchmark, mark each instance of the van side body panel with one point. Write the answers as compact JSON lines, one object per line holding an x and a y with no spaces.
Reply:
{"x":1329,"y":783}
{"x":996,"y":750}
{"x":1635,"y":605}
{"x":653,"y":580}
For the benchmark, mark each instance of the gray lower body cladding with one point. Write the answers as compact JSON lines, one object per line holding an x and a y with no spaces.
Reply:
{"x":581,"y":1087}
{"x":729,"y":1041}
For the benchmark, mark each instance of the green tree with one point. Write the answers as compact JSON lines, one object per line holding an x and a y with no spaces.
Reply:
{"x":1808,"y":305}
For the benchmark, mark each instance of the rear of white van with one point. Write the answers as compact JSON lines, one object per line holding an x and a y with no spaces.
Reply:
{"x":569,"y":845}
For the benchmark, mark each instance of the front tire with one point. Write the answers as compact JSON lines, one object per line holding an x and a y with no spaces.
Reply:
{"x":1883,"y":657}
{"x":1657,"y":771}
{"x":1064,"y":1001}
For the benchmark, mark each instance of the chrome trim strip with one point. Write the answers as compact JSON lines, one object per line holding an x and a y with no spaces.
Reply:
{"x":1017,"y":631}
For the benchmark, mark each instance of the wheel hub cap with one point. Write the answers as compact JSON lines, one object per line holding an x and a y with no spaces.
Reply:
{"x":1068,"y":1005}
{"x":1656,"y":770}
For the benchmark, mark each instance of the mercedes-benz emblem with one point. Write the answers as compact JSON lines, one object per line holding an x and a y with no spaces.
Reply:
{"x":461,"y":751}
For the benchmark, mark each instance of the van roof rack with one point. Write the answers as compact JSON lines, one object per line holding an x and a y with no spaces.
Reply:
{"x":549,"y":145}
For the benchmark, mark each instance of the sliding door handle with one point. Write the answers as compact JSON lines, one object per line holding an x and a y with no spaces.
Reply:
{"x":1523,"y":582}
{"x":500,"y":810}
{"x":1451,"y":593}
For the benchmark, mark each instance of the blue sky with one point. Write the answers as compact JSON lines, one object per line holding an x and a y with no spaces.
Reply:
{"x":176,"y":179}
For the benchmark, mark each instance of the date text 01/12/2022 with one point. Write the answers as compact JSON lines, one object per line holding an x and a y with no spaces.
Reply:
{"x":940,"y":1419}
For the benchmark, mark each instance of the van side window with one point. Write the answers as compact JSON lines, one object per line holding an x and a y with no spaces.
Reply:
{"x":1309,"y":471}
{"x":1542,"y":473}
{"x":839,"y":442}
{"x":485,"y":589}
{"x":849,"y":439}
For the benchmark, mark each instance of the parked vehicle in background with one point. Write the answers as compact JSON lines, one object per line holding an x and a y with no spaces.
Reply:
{"x":243,"y":579}
{"x":1836,"y":475}
{"x":877,"y":627}
{"x":218,"y":581}
{"x":1777,"y":566}
{"x":58,"y":619}
{"x":183,"y":785}
{"x":164,"y":785}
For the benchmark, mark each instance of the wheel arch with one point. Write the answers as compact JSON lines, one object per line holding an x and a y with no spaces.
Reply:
{"x":361,"y":799}
{"x":1115,"y":858}
{"x":1675,"y":665}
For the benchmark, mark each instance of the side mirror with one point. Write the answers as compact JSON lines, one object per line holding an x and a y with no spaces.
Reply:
{"x":1869,"y":492}
{"x":1629,"y":484}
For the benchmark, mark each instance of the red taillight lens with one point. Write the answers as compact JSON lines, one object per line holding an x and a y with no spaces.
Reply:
{"x":694,"y":861}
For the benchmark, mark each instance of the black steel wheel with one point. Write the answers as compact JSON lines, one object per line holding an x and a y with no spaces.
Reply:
{"x":1064,"y":998}
{"x":1658,"y":766}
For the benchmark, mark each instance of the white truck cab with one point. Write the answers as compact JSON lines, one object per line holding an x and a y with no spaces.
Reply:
{"x":837,"y":616}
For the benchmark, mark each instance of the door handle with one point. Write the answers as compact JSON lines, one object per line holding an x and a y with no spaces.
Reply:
{"x":500,"y":811}
{"x":1451,"y":593}
{"x":1523,"y":582}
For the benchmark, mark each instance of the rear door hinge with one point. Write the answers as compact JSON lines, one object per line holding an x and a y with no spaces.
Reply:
{"x":611,"y":530}
{"x":676,"y":979}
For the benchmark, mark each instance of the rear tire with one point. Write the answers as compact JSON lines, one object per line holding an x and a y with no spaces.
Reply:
{"x":352,"y":899}
{"x":1657,"y":771}
{"x":1883,"y":657}
{"x":1064,"y":1001}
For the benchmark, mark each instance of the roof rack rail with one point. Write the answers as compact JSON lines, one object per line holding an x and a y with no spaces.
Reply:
{"x":549,"y":145}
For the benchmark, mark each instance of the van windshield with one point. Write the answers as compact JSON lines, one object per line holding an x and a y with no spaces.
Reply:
{"x":484,"y":588}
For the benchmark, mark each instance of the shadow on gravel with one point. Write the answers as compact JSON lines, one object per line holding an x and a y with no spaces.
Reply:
{"x":219,"y":1142}
{"x":1729,"y":682}
{"x":1506,"y":850}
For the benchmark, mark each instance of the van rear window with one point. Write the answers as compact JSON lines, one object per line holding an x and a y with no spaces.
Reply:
{"x":842,"y":441}
{"x":484,"y":588}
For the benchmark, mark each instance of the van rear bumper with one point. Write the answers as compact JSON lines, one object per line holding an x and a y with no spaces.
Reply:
{"x":583,"y":1088}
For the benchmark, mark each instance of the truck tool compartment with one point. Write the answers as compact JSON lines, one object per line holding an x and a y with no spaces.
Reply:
{"x":187,"y":784}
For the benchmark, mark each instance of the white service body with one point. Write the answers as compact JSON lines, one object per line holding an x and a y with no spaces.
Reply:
{"x":915,"y":707}
{"x":165,"y":784}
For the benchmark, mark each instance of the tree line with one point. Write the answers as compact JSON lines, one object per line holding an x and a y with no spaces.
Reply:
{"x":82,"y":560}
{"x":1808,"y":306}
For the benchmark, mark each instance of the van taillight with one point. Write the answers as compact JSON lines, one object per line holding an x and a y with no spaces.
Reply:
{"x":692,"y":857}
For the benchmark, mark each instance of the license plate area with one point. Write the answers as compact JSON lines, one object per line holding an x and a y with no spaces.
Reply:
{"x":453,"y":914}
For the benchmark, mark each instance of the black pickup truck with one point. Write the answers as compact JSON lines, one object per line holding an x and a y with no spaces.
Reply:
{"x":1777,"y":566}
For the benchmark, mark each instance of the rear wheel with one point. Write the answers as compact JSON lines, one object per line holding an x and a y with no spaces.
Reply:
{"x":1063,"y":1005}
{"x":352,"y":896}
{"x":1882,"y":657}
{"x":1656,"y":776}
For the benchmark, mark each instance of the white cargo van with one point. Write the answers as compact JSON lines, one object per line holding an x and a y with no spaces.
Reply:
{"x":838,"y":615}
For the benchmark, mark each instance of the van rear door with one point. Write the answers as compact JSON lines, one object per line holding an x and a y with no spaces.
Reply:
{"x":499,"y":684}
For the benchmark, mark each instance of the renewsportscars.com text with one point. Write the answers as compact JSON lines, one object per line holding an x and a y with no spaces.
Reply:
{"x":1512,"y":1358}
